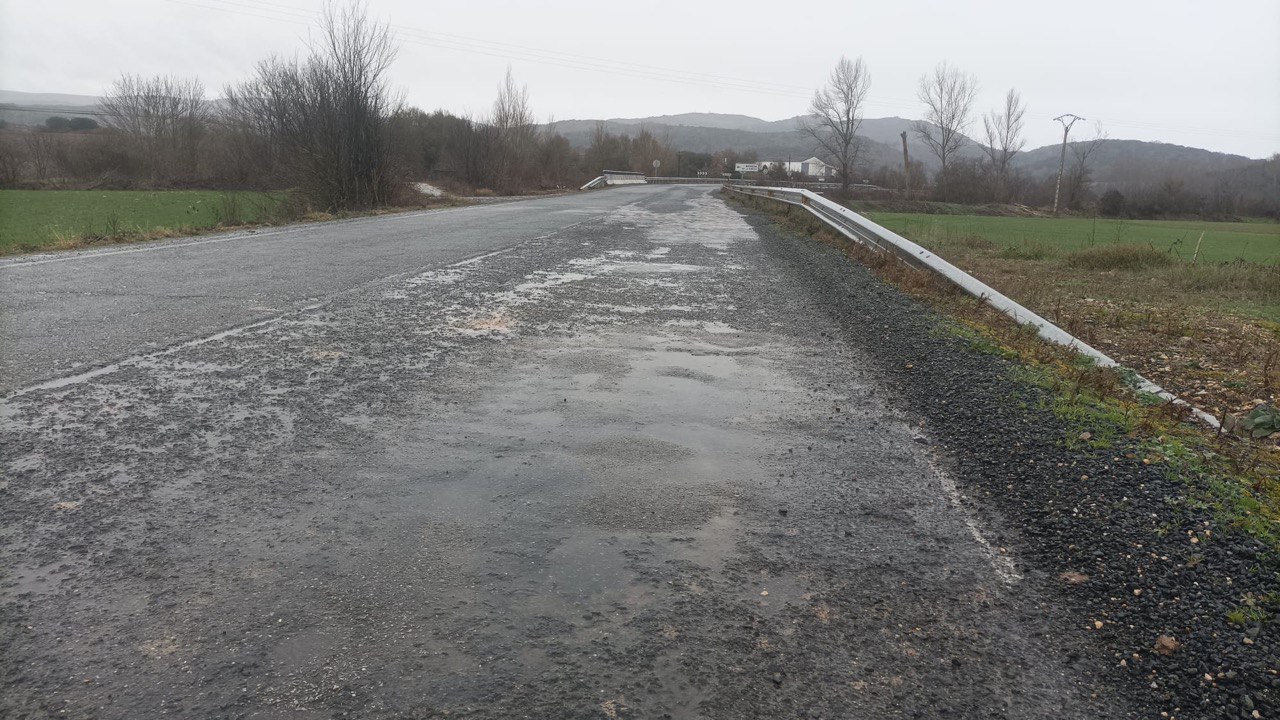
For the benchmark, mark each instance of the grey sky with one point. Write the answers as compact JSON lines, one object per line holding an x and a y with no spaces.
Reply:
{"x":1191,"y":73}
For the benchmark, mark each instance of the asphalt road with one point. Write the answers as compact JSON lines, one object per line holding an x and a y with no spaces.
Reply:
{"x":70,"y":312}
{"x":599,"y":456}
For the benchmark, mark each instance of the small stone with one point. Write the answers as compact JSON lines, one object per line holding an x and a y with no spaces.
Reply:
{"x":1167,"y":645}
{"x":1137,"y":592}
{"x":1097,"y":624}
{"x":1072,"y":577}
{"x":764,"y":592}
{"x":1086,"y":436}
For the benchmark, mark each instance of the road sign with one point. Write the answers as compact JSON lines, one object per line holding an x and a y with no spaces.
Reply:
{"x":657,"y":164}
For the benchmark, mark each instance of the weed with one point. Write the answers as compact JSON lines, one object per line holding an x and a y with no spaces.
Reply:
{"x":1253,"y":610}
{"x":230,"y":210}
{"x":113,"y":225}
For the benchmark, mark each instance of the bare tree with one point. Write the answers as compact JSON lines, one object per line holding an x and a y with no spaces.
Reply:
{"x":163,"y":118}
{"x":470,"y":151}
{"x":948,"y":96}
{"x":42,"y":153}
{"x":835,"y":115}
{"x":327,"y":120}
{"x":607,"y":151}
{"x":1081,"y":170}
{"x":511,"y":108}
{"x":1004,"y":140}
{"x":516,"y":132}
{"x":12,"y":158}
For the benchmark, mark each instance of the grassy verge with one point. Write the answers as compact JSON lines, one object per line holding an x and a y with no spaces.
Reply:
{"x":36,"y":220}
{"x":1235,"y":478}
{"x":1209,"y":331}
{"x":1251,"y":242}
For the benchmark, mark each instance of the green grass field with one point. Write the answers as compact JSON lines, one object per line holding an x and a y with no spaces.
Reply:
{"x":1257,"y":242}
{"x":34,"y":219}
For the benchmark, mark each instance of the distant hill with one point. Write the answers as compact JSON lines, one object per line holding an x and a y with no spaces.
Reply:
{"x":1129,"y":163}
{"x":14,"y":97}
{"x":14,"y":104}
{"x":709,"y":120}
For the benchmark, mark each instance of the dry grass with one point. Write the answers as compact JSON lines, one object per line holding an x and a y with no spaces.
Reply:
{"x":1118,"y":257}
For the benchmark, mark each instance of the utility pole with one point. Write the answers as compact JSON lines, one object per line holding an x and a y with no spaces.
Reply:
{"x":1067,"y":121}
{"x":906,"y":167}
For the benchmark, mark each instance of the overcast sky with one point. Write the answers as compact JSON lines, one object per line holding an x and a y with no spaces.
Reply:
{"x":1205,"y":74}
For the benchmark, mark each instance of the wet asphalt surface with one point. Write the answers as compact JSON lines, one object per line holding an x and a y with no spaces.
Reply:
{"x":68,"y":312}
{"x":666,"y":462}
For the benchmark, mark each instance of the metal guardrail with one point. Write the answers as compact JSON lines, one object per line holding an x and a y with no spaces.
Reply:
{"x":604,"y":180}
{"x":686,"y":180}
{"x":862,"y":230}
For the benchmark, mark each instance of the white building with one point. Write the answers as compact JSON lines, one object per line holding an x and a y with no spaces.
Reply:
{"x":813,"y":167}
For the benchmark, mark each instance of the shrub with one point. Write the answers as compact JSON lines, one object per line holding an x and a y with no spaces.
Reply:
{"x":1111,"y":204}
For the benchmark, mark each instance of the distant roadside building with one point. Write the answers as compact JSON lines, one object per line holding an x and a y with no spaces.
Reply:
{"x":811,"y":168}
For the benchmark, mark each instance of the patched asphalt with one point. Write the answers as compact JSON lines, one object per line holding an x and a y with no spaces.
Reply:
{"x":666,"y":462}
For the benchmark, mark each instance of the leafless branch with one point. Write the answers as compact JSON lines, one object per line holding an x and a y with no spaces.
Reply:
{"x":1003,"y":130}
{"x":835,"y":116}
{"x":948,"y":96}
